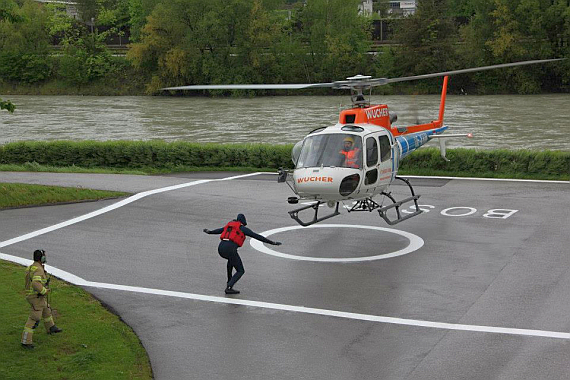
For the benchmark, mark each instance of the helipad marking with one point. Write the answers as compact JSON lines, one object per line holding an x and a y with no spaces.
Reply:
{"x":416,"y":243}
{"x":113,"y":207}
{"x":296,"y":309}
{"x":69,"y":277}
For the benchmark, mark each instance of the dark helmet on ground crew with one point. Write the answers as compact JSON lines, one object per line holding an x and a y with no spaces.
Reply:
{"x":40,"y":255}
{"x":241,"y":218}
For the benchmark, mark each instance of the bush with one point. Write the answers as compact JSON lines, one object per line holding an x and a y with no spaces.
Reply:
{"x":139,"y":154}
{"x":24,"y":68}
{"x":162,"y":155}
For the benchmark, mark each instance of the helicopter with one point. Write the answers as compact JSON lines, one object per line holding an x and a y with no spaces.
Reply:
{"x":358,"y":158}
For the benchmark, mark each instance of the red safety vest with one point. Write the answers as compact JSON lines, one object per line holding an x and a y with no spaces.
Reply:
{"x":350,"y":157}
{"x":232,"y":232}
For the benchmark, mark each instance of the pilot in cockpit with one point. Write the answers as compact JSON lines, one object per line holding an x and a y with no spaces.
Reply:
{"x":350,"y":153}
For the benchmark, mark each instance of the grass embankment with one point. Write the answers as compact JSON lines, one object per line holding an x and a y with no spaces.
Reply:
{"x":20,"y":195}
{"x":147,"y":170}
{"x":94,"y":344}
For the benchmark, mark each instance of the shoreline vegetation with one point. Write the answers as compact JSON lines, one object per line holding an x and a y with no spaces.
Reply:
{"x":158,"y":157}
{"x":132,"y":47}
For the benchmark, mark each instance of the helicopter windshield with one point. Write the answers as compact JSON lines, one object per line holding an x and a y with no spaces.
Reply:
{"x":339,"y":150}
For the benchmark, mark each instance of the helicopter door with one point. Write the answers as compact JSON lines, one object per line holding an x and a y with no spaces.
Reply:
{"x":371,"y":167}
{"x":385,"y":161}
{"x":378,"y":168}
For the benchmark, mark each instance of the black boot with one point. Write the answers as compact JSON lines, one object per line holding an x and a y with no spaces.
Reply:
{"x":54,"y":330}
{"x":231,"y":291}
{"x":28,"y":346}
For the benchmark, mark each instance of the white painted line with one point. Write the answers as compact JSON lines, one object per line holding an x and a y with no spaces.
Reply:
{"x":488,"y":179}
{"x":296,"y":309}
{"x":113,"y":207}
{"x":416,"y":243}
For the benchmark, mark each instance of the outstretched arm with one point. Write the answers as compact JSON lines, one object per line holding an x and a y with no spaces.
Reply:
{"x":217,"y":231}
{"x":255,"y":236}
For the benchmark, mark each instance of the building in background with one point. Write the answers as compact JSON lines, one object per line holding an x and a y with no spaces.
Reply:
{"x":366,"y":8}
{"x":402,"y":8}
{"x":70,"y":7}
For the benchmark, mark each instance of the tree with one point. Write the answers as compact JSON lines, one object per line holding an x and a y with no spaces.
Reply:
{"x":9,"y":11}
{"x":212,"y":41}
{"x":138,"y":11}
{"x":7,"y":105}
{"x":24,"y":44}
{"x":504,"y":31}
{"x":336,"y":37}
{"x":426,"y":40}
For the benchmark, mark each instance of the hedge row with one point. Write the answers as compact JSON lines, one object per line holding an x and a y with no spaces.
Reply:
{"x":160,"y":154}
{"x":140,"y":154}
{"x":501,"y":161}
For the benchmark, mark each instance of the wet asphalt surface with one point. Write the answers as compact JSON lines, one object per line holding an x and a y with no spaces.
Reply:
{"x":476,"y":267}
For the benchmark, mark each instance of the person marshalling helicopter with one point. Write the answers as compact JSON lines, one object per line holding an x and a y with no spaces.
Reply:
{"x":232,"y":236}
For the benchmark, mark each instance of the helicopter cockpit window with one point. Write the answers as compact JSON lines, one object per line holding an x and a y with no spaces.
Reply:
{"x":296,"y":151}
{"x":371,"y":152}
{"x":385,"y":148}
{"x":339,"y":150}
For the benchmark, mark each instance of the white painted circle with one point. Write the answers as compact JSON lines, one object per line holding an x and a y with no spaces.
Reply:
{"x":416,"y":243}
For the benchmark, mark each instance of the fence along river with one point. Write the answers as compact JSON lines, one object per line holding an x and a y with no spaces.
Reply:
{"x":540,"y":122}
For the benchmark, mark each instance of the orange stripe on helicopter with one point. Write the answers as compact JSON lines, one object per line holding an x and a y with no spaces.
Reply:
{"x":380,"y":116}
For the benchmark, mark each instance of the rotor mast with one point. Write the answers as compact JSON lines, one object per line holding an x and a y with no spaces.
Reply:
{"x":358,"y":84}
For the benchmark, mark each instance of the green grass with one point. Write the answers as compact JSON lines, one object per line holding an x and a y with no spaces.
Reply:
{"x":94,"y":344}
{"x":19,"y":195}
{"x":35,"y":167}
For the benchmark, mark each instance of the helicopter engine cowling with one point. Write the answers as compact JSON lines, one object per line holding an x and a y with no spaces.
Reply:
{"x":328,"y":183}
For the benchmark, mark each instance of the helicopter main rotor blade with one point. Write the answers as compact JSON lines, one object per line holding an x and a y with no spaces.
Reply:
{"x":462,"y":71}
{"x":358,"y":82}
{"x":250,"y":86}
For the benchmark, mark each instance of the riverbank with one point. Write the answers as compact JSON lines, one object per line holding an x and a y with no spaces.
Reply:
{"x":109,"y":86}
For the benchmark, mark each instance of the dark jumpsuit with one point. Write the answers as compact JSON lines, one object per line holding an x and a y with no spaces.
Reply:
{"x":228,"y":250}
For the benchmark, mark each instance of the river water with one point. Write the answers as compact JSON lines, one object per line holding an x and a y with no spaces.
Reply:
{"x":498,"y":121}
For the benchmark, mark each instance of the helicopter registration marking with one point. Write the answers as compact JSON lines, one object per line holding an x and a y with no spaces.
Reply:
{"x":314,"y":179}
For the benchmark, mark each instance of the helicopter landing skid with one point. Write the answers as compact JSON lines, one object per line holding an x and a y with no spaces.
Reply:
{"x":315,"y":206}
{"x":396,"y":205}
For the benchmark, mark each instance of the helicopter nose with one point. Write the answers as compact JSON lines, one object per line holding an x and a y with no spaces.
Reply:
{"x":349,"y":184}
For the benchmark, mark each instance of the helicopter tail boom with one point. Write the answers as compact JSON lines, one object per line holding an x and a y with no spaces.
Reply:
{"x":398,"y":131}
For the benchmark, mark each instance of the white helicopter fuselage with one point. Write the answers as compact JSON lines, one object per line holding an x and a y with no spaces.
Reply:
{"x":327,"y":177}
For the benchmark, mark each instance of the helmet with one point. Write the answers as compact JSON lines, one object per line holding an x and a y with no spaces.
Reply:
{"x":241,"y":218}
{"x":40,"y":255}
{"x":349,"y":139}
